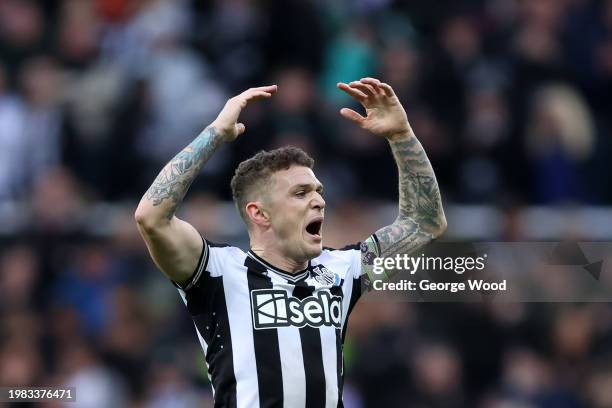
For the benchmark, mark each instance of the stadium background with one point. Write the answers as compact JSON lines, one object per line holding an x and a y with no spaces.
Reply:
{"x":511,"y":98}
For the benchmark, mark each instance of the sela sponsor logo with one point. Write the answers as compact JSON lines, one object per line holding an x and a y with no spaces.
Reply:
{"x":272,"y":308}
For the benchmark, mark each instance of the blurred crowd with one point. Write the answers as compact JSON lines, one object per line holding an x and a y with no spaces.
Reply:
{"x":512,"y":100}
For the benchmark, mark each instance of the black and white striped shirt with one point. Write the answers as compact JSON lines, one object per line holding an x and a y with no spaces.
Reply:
{"x":273,"y":339}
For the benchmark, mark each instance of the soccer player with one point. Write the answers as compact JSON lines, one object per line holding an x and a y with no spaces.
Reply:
{"x":272,"y":321}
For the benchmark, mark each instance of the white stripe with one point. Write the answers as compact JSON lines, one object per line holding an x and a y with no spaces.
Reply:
{"x":237,"y":300}
{"x":292,"y":363}
{"x":330,"y":363}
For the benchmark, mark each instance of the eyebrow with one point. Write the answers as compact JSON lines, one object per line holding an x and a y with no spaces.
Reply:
{"x":308,"y":186}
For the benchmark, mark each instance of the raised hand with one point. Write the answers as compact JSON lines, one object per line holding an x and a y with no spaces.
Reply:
{"x":385,"y":115}
{"x":227,"y":124}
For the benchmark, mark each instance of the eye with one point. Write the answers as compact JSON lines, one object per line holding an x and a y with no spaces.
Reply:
{"x":301,"y":193}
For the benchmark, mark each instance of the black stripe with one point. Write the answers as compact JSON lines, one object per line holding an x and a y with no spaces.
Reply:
{"x":267,"y":350}
{"x":206,"y":304}
{"x":345,"y":248}
{"x":340,"y":366}
{"x":312,"y":356}
{"x":377,"y":244}
{"x":217,"y":245}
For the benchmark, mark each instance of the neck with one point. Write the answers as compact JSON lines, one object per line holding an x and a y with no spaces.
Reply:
{"x":279,"y":261}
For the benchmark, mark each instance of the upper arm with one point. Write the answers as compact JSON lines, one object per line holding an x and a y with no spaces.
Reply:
{"x":175,"y":248}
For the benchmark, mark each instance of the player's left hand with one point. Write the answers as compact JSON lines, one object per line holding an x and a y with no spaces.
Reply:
{"x":385,"y":115}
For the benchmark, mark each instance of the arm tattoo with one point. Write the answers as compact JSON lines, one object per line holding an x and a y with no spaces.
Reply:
{"x":397,"y":238}
{"x":418,"y":190}
{"x":172,"y":183}
{"x":401,"y":238}
{"x":420,"y":217}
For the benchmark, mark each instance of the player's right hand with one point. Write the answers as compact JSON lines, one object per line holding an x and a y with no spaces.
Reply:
{"x":226,"y":123}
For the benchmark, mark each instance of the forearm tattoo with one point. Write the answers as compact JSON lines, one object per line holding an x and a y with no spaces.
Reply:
{"x":174,"y":180}
{"x":418,"y":189}
{"x":420,"y":205}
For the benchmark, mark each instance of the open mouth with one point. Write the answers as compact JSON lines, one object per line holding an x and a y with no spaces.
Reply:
{"x":314,"y":227}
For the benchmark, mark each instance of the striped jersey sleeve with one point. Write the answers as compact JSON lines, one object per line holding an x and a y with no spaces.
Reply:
{"x":209,"y":262}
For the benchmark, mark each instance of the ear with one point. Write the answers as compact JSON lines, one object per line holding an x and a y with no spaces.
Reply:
{"x":257,"y":214}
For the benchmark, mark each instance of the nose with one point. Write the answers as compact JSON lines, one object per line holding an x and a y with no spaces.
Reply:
{"x":318,"y":202}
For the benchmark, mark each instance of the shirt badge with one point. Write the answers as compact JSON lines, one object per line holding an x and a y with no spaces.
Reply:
{"x":324,"y":276}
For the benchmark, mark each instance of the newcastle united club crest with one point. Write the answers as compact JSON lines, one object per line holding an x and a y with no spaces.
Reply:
{"x":324,"y":276}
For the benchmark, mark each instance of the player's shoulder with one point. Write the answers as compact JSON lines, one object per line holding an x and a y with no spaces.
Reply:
{"x":222,"y":256}
{"x":341,"y":260}
{"x":223,"y":249}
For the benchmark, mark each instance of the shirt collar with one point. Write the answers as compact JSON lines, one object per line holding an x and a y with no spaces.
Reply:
{"x":293,"y":277}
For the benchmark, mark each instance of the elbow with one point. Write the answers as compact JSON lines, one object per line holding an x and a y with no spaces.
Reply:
{"x":146,"y":222}
{"x":438,"y":228}
{"x":142,"y":220}
{"x":140,"y":217}
{"x":441,"y":227}
{"x":435,"y":228}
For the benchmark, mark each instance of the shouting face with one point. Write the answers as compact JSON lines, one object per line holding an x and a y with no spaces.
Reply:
{"x":296,"y":210}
